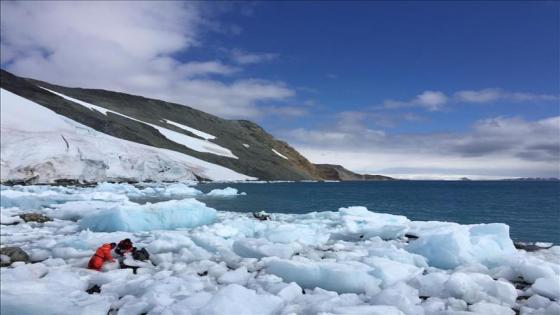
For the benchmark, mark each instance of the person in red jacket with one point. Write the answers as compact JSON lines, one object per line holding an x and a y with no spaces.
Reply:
{"x":124,"y":246}
{"x":102,"y":254}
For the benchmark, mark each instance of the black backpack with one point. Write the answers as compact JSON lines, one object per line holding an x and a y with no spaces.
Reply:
{"x":141,"y":254}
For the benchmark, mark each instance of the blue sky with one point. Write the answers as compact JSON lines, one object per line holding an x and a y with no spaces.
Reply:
{"x":411,"y":89}
{"x":354,"y":55}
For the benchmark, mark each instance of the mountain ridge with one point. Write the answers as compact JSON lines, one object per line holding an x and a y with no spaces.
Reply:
{"x":240,"y":145}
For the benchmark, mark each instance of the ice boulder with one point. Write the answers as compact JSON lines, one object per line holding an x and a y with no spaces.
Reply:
{"x":366,"y":224}
{"x":476,"y":287}
{"x":390,"y":271}
{"x":118,"y":188}
{"x":226,"y":192}
{"x":178,"y":189}
{"x":452,"y":245}
{"x":167,"y":215}
{"x":367,"y":310}
{"x":33,"y":289}
{"x":259,"y":248}
{"x":235,"y":299}
{"x":549,"y":287}
{"x":351,"y":277}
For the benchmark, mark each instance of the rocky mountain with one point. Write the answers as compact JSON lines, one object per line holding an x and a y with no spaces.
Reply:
{"x":53,"y":133}
{"x":338,"y":172}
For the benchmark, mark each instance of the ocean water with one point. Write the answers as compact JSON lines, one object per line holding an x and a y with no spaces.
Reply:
{"x":531,"y":209}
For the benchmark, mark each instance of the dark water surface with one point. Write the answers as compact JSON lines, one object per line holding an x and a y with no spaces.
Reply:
{"x":531,"y":209}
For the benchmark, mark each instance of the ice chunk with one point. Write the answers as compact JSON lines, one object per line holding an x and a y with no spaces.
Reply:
{"x":235,"y":299}
{"x":531,"y":271}
{"x":290,"y":292}
{"x":367,"y":310}
{"x":168,"y":215}
{"x":401,"y":296}
{"x":549,"y":287}
{"x":24,"y":291}
{"x":431,"y":284}
{"x":239,"y":276}
{"x":491,"y":309}
{"x":338,"y":277}
{"x":476,"y":287}
{"x":120,"y":188}
{"x":177,"y":189}
{"x":536,"y":301}
{"x":358,"y":221}
{"x":450,"y":246}
{"x":9,"y":216}
{"x":289,"y":233}
{"x":390,"y":271}
{"x":259,"y":248}
{"x":226,"y":192}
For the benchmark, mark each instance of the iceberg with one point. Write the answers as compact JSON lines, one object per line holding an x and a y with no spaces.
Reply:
{"x":226,"y":192}
{"x":450,"y":246}
{"x":338,"y":277}
{"x":167,"y":215}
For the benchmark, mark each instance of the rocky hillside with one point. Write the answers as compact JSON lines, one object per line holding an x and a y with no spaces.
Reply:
{"x":155,"y":140}
{"x":338,"y":172}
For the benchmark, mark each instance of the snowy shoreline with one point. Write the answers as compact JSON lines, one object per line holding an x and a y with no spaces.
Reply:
{"x":205,"y":261}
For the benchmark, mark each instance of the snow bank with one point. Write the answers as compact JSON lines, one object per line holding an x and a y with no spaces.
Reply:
{"x":226,"y":192}
{"x":167,"y":215}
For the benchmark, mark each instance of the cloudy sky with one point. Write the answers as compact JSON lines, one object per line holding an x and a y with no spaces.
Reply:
{"x":409,"y":89}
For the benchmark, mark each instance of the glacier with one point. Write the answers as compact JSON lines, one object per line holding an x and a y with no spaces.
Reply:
{"x":203,"y":261}
{"x":41,"y":146}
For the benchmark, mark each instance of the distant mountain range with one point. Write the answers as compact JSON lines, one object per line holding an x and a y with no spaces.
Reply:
{"x":52,"y":133}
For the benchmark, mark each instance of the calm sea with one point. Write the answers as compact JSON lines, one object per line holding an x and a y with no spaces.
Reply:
{"x":531,"y":209}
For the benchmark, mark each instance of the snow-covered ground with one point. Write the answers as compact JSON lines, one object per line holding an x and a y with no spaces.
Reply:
{"x":38,"y":143}
{"x":204,"y":261}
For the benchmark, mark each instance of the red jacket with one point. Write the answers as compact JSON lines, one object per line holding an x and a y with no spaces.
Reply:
{"x":102,"y":254}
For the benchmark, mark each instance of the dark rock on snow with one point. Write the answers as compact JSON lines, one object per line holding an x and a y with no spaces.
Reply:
{"x":34,"y":217}
{"x":13,"y":254}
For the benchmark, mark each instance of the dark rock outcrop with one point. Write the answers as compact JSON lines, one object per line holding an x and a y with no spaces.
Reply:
{"x":13,"y":254}
{"x":34,"y":217}
{"x":338,"y":172}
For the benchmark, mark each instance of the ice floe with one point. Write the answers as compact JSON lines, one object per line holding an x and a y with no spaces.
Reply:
{"x":202,"y":261}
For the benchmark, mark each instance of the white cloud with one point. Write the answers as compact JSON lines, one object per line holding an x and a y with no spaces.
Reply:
{"x":244,"y":58}
{"x":430,"y":100}
{"x":494,"y":94}
{"x":500,"y":147}
{"x":193,"y":69}
{"x":129,"y":47}
{"x":436,"y":100}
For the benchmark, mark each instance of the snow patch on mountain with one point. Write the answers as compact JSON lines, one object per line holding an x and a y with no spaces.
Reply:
{"x":179,"y":138}
{"x":197,"y":132}
{"x":279,"y":154}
